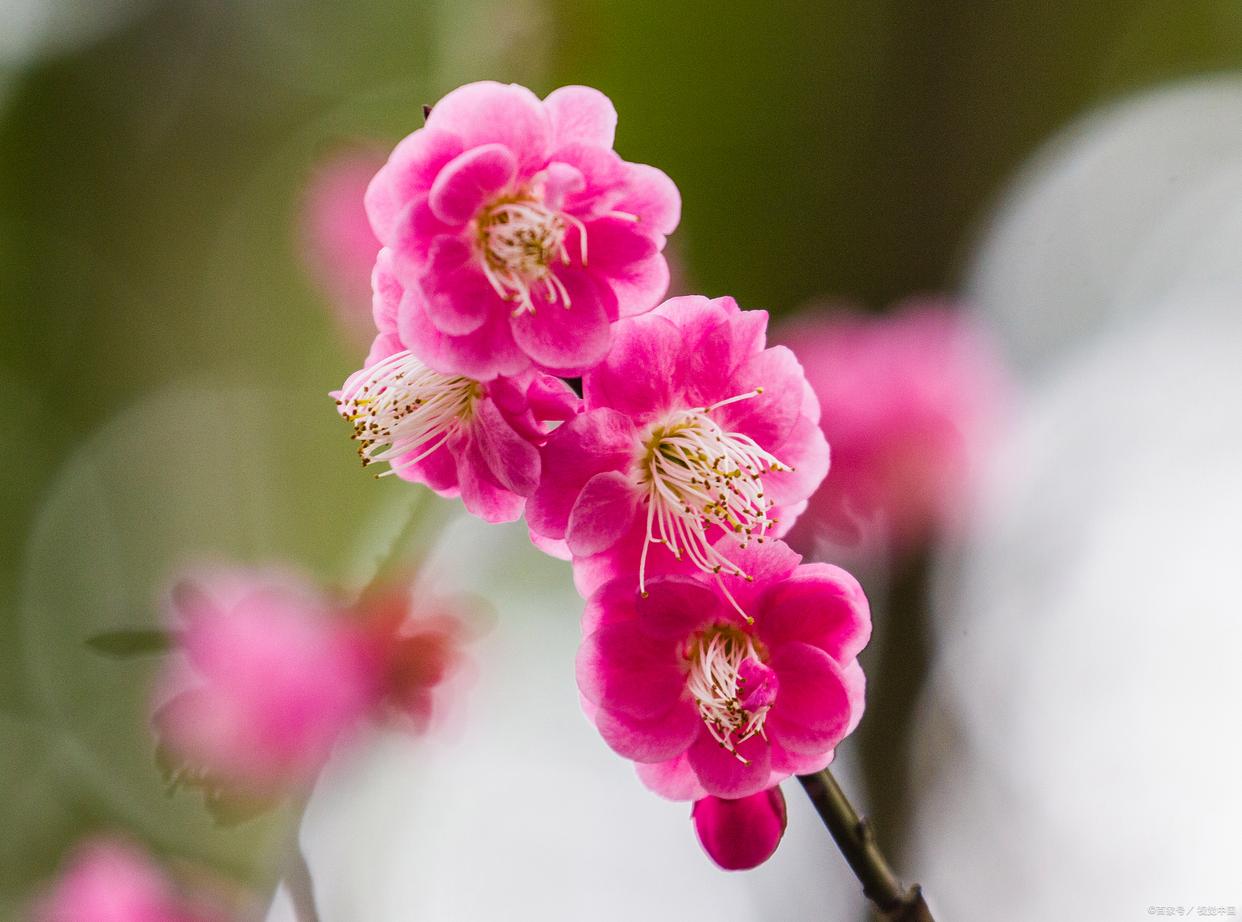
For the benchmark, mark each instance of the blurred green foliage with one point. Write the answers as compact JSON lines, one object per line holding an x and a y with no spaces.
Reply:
{"x":168,"y":361}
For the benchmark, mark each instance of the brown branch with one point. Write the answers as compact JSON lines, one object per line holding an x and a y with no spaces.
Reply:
{"x":853,"y":835}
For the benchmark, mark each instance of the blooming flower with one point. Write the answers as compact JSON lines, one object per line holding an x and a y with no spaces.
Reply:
{"x":268,"y":683}
{"x":339,"y":245}
{"x":743,"y":833}
{"x":456,"y":434}
{"x":908,"y":401}
{"x":517,"y":233}
{"x":110,"y":881}
{"x":692,"y":431}
{"x":709,"y":702}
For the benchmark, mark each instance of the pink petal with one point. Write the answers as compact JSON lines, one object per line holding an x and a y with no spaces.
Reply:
{"x":639,"y":284}
{"x":581,"y":114}
{"x":676,"y":607}
{"x":636,"y":377}
{"x":741,"y":834}
{"x":674,"y":779}
{"x":458,"y":298}
{"x":615,"y":241}
{"x":566,"y":341}
{"x":592,"y":442}
{"x":483,"y":354}
{"x":821,"y":605}
{"x":469,"y":181}
{"x":625,"y":672}
{"x":481,"y":494}
{"x":652,"y":197}
{"x":386,"y":292}
{"x":513,"y":461}
{"x":602,"y":513}
{"x":487,"y":113}
{"x":411,"y":169}
{"x":769,"y":417}
{"x":813,"y":711}
{"x":657,"y":740}
{"x":723,"y":774}
{"x":806,"y":453}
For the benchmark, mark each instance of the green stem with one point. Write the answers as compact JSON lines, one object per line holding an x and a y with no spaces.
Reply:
{"x":853,"y":835}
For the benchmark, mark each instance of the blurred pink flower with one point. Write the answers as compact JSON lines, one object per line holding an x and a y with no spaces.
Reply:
{"x":339,"y":245}
{"x":107,"y":880}
{"x":459,"y":436}
{"x":518,"y":233}
{"x":711,"y":703}
{"x":269,"y":681}
{"x":741,"y":834}
{"x":908,"y":401}
{"x":695,"y":440}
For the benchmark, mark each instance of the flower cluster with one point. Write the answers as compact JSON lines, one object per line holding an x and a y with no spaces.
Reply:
{"x":519,"y":251}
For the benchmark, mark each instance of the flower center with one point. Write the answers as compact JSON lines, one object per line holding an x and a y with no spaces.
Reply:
{"x":697,"y":476}
{"x":399,"y":406}
{"x":519,"y":239}
{"x":733,"y":688}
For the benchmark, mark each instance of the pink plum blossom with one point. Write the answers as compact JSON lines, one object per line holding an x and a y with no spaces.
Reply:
{"x":743,"y":833}
{"x":107,"y":880}
{"x":696,"y":440}
{"x":909,"y":401}
{"x":338,"y":243}
{"x":268,"y":682}
{"x":709,"y":702}
{"x":517,"y":233}
{"x":457,"y":435}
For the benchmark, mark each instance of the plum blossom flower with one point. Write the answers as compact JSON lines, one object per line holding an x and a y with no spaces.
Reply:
{"x":107,"y":880}
{"x":269,"y":681}
{"x":909,"y":402}
{"x":695,"y":441}
{"x":518,"y":234}
{"x":458,"y":435}
{"x":743,"y":833}
{"x":711,"y":703}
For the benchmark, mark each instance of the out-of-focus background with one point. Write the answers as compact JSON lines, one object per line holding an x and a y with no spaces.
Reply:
{"x":1052,"y":729}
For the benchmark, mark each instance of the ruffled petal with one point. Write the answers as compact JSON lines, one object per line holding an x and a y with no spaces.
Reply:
{"x":637,"y":376}
{"x":467,"y":182}
{"x":483,"y":354}
{"x":481,"y":494}
{"x":806,"y":454}
{"x":458,"y":298}
{"x":600,"y":440}
{"x":651,"y":197}
{"x":821,"y":605}
{"x":673,"y":780}
{"x":495,"y":113}
{"x":581,"y":114}
{"x":567,"y":340}
{"x":769,"y":417}
{"x":513,"y":461}
{"x":411,"y":169}
{"x":602,"y":513}
{"x":813,"y":711}
{"x":676,"y":607}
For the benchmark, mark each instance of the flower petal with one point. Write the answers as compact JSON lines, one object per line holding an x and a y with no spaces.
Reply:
{"x":623,"y":671}
{"x":562,"y":340}
{"x":483,"y":354}
{"x":469,"y":181}
{"x":488,"y":112}
{"x":723,"y":774}
{"x":652,"y":197}
{"x":581,"y":113}
{"x":676,"y":607}
{"x":512,"y":460}
{"x":674,"y":779}
{"x":591,"y":442}
{"x":458,"y":298}
{"x":657,"y":740}
{"x":821,"y":605}
{"x":636,"y":377}
{"x":814,"y":709}
{"x":481,"y":494}
{"x":602,"y":513}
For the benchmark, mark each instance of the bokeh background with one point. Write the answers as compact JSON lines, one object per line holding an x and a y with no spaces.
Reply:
{"x":167,"y":341}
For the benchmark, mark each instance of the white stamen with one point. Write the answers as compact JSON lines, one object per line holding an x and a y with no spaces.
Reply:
{"x":399,"y":405}
{"x":715,"y":658}
{"x":519,"y":240}
{"x":697,"y":476}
